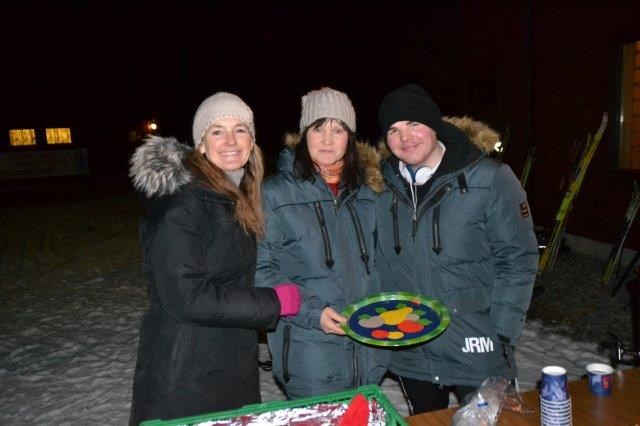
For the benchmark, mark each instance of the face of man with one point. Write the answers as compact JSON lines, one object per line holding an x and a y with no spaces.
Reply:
{"x":227,"y":143}
{"x":414,"y":143}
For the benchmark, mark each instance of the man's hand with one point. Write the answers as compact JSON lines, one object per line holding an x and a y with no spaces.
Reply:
{"x":330,"y":320}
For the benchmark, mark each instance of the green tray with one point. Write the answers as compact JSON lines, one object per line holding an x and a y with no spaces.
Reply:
{"x":434,"y":315}
{"x":369,"y":391}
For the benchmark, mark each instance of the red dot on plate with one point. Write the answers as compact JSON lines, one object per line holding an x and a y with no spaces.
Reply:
{"x":380,"y":334}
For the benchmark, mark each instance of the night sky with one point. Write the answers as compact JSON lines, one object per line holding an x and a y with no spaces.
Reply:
{"x":544,"y":69}
{"x":111,"y":64}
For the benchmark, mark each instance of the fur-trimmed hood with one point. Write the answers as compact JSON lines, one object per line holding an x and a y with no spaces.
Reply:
{"x":482,"y":136}
{"x":368,"y":157}
{"x":157,"y":166}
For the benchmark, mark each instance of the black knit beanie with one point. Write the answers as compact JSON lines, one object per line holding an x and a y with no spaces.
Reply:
{"x":409,"y":103}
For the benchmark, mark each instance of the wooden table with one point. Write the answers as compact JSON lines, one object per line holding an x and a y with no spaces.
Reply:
{"x":621,"y":408}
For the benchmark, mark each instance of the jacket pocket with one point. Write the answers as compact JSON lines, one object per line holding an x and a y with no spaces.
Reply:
{"x":472,"y":345}
{"x":467,"y":301}
{"x":286,"y":342}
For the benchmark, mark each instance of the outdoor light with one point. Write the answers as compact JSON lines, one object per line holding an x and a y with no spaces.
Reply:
{"x":498,"y":146}
{"x":152,"y":125}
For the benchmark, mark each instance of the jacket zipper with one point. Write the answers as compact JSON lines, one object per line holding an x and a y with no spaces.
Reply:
{"x":355,"y":368}
{"x":340,"y":199}
{"x":414,"y":223}
{"x":464,"y":189}
{"x":396,"y":231}
{"x":328,"y":257}
{"x":425,"y":206}
{"x":362,"y":245}
{"x":435,"y":199}
{"x":285,"y":353}
{"x":435,"y":230}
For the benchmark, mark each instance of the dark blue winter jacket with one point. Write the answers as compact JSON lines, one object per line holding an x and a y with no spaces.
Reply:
{"x":317,"y":241}
{"x":470,"y":244}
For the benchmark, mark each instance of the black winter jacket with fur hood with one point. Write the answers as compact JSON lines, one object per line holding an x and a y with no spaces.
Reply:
{"x":198,"y":340}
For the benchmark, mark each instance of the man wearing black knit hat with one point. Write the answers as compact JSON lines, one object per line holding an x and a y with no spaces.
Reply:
{"x":453,"y":225}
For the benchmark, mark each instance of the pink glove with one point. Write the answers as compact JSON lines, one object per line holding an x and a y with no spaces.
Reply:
{"x":290,"y":300}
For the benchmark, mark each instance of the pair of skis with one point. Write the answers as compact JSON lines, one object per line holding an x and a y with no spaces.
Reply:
{"x":613,"y":263}
{"x":548,"y":257}
{"x":526,"y":170}
{"x":531,"y":156}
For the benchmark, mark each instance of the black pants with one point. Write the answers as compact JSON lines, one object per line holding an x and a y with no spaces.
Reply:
{"x":426,"y":396}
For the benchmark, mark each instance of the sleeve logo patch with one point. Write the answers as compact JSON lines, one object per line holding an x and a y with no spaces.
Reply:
{"x":524,"y":210}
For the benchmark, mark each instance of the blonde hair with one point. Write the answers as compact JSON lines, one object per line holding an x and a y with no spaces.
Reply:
{"x":246,"y":197}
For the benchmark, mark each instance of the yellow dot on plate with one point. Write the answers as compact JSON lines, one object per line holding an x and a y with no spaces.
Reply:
{"x":395,"y":335}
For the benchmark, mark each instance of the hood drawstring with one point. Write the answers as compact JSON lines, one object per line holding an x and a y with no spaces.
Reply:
{"x":414,"y":215}
{"x":328,"y":258}
{"x":396,"y":231}
{"x":413,"y":188}
{"x":362,"y":245}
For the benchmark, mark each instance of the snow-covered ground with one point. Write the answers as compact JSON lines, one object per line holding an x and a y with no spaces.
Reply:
{"x":68,"y":350}
{"x":71,"y":298}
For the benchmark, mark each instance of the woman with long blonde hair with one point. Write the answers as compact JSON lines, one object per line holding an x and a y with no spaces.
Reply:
{"x":198,"y":340}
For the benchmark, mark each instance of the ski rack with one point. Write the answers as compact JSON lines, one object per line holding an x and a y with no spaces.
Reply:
{"x":548,"y":257}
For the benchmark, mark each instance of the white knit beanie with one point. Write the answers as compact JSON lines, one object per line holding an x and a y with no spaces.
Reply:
{"x":220,"y":105}
{"x":327,"y":103}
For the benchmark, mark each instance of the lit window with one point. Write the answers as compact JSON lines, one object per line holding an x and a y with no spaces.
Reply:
{"x":628,"y":120}
{"x":21,"y":137}
{"x":60,"y":135}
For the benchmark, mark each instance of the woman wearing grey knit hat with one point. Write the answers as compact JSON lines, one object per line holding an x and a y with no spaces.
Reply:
{"x":198,"y":341}
{"x":319,"y":211}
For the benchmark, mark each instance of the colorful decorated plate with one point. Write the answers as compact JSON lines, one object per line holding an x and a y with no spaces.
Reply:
{"x":395,"y":319}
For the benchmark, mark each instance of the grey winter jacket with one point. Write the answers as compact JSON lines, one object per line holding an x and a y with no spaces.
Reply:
{"x":472,"y":247}
{"x":198,"y":348}
{"x":326,"y":246}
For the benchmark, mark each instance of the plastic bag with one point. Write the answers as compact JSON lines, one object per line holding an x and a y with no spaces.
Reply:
{"x":482,"y":407}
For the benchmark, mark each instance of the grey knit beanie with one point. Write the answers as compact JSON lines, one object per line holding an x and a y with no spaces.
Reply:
{"x":220,"y":105}
{"x":327,"y":103}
